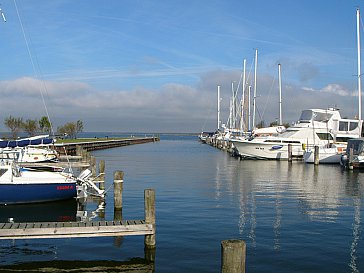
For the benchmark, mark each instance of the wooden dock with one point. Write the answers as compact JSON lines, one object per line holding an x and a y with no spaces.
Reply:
{"x":92,"y":145}
{"x":39,"y":230}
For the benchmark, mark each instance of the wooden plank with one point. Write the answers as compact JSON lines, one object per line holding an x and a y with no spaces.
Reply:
{"x":70,"y":229}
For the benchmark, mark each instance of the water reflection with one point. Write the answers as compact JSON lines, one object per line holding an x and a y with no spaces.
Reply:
{"x":271,"y":193}
{"x":131,"y":265}
{"x":61,"y":211}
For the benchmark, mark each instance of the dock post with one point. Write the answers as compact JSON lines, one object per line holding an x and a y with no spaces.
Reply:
{"x":102,"y":174}
{"x":289,"y":152}
{"x":78,"y":150}
{"x":233,"y":254}
{"x":149,"y":211}
{"x":93,"y":165}
{"x":317,"y":155}
{"x":118,"y":194}
{"x":350,"y":163}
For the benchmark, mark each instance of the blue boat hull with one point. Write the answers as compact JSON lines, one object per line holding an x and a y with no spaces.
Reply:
{"x":36,"y":193}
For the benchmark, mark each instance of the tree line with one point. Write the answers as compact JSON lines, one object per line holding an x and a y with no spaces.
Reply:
{"x":32,"y":127}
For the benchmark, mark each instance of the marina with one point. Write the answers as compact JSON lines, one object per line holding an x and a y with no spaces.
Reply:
{"x":293,"y":217}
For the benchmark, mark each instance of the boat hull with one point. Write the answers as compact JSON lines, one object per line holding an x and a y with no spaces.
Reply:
{"x":36,"y":193}
{"x":261,"y":150}
{"x":326,"y":156}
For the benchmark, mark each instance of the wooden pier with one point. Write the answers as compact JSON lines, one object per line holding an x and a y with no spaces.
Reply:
{"x":39,"y":230}
{"x":92,"y":145}
{"x":36,"y":230}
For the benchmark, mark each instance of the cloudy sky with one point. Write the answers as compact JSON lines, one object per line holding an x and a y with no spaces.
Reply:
{"x":154,"y":66}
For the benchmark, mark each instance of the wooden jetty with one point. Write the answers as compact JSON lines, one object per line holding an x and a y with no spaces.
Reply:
{"x":36,"y":230}
{"x":92,"y":145}
{"x":39,"y":230}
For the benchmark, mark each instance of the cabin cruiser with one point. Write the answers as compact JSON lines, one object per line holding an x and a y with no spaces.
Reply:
{"x":315,"y":127}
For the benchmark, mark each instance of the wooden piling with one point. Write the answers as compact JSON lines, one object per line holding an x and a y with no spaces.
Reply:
{"x":233,"y":254}
{"x":317,"y":155}
{"x":101,"y":174}
{"x":149,"y":211}
{"x":351,"y":155}
{"x":118,"y":194}
{"x":289,"y":152}
{"x":93,"y":165}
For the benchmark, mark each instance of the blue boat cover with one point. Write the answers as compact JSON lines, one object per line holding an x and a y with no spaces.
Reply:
{"x":25,"y":142}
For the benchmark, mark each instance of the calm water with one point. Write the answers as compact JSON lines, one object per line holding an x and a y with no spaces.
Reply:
{"x":293,"y":217}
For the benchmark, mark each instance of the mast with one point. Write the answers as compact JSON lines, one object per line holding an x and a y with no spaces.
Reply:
{"x":218,"y":107}
{"x":233,"y":106}
{"x":243,"y":99}
{"x":255,"y":86}
{"x":359,"y":71}
{"x":280,"y":94}
{"x":249,"y":119}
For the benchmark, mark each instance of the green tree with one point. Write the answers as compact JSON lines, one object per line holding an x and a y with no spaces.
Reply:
{"x":79,"y":127}
{"x":45,"y":125}
{"x":14,"y":124}
{"x":30,"y":126}
{"x":71,"y":129}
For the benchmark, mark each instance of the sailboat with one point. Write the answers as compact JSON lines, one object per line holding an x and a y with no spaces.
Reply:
{"x":19,"y":185}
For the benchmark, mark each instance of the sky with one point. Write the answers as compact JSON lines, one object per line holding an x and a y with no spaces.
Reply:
{"x":154,"y":66}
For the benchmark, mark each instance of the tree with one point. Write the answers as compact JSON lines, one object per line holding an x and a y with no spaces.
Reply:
{"x":71,"y":129}
{"x":45,"y":125}
{"x":79,"y":127}
{"x":30,"y":126}
{"x":14,"y":124}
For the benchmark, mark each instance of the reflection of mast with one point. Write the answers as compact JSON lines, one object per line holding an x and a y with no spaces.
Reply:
{"x":277,"y":224}
{"x":356,"y":236}
{"x":253,"y":223}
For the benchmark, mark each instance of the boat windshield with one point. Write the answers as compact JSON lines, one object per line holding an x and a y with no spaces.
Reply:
{"x":357,"y":145}
{"x":308,"y":115}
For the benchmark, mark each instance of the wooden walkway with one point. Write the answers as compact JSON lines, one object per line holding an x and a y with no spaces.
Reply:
{"x":39,"y":230}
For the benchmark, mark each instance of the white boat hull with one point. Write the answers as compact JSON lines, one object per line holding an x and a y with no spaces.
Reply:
{"x":261,"y":150}
{"x":326,"y":156}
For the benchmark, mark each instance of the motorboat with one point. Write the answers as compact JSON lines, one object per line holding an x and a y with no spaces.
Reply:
{"x":315,"y":127}
{"x":353,"y":158}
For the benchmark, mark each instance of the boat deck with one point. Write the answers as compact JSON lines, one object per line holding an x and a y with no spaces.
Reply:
{"x":38,"y":230}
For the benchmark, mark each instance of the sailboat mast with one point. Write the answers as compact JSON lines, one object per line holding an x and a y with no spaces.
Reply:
{"x":243,"y":99}
{"x":280,"y":94}
{"x":359,"y":70}
{"x":255,"y":86}
{"x":218,"y":107}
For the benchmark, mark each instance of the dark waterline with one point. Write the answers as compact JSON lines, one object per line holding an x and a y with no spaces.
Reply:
{"x":293,"y":217}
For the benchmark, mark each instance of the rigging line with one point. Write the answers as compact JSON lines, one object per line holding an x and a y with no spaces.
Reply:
{"x":269,"y":95}
{"x":31,"y":60}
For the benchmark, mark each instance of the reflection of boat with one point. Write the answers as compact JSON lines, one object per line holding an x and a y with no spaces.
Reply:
{"x":315,"y":127}
{"x":60,"y":211}
{"x":21,"y":185}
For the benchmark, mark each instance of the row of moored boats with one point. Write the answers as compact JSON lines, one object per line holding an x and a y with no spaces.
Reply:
{"x":337,"y":140}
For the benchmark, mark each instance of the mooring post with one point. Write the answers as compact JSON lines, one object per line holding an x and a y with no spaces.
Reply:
{"x":78,"y":150}
{"x":149,"y":211}
{"x":351,"y":155}
{"x":289,"y":152}
{"x":233,"y":254}
{"x":118,"y":194}
{"x":317,"y":155}
{"x":93,"y":165}
{"x":102,"y":174}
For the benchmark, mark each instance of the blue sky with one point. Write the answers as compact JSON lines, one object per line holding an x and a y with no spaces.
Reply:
{"x":154,"y":66}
